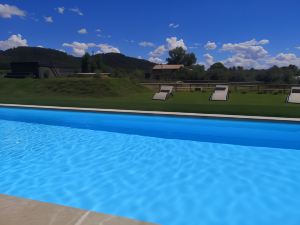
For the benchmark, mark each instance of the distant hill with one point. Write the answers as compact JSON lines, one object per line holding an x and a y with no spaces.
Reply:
{"x":61,"y":59}
{"x":121,"y":61}
{"x":41,"y":55}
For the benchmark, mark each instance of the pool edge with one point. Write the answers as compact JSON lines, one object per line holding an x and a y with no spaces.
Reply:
{"x":15,"y":210}
{"x":158,"y":113}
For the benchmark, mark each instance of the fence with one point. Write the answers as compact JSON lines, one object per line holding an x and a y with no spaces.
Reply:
{"x":234,"y":87}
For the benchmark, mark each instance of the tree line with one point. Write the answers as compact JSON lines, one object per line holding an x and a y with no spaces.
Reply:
{"x":218,"y":72}
{"x":192,"y":71}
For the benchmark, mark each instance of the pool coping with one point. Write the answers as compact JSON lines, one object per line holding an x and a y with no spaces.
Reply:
{"x":15,"y":210}
{"x":157,"y":113}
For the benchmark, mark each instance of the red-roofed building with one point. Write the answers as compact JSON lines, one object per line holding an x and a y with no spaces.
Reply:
{"x":165,"y":72}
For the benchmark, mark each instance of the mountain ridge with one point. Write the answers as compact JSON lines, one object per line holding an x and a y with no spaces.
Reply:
{"x":62,"y":59}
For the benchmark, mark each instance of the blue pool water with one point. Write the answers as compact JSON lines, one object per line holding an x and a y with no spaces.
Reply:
{"x":166,"y":170}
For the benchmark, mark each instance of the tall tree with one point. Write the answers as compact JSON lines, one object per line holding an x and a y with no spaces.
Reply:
{"x":180,"y":56}
{"x":218,"y":67}
{"x":85,"y":62}
{"x":217,"y":71}
{"x":98,"y":62}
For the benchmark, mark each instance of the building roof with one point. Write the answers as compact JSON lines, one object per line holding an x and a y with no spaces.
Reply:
{"x":31,"y":63}
{"x":167,"y":67}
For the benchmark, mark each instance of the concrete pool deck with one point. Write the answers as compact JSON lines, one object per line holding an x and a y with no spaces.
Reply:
{"x":19,"y":211}
{"x":158,"y":113}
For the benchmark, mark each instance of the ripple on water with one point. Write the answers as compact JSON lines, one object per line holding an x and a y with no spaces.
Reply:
{"x":171,"y":182}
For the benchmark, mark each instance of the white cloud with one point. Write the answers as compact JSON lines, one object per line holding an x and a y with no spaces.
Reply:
{"x":13,"y":41}
{"x":34,"y":19}
{"x":173,"y":43}
{"x":48,"y":19}
{"x":210,"y":45}
{"x":98,"y":30}
{"x":284,"y":59}
{"x":103,"y":36}
{"x":8,"y":11}
{"x":105,"y":48}
{"x":264,"y":42}
{"x":194,"y":46}
{"x":248,"y":54}
{"x":280,"y":60}
{"x":77,"y":11}
{"x":173,"y":25}
{"x":160,"y":50}
{"x":60,"y":10}
{"x":240,"y":60}
{"x":40,"y":46}
{"x":156,"y":60}
{"x":208,"y":60}
{"x":249,"y":50}
{"x":82,"y":31}
{"x":79,"y":48}
{"x":130,"y":41}
{"x":146,"y":44}
{"x":251,"y":54}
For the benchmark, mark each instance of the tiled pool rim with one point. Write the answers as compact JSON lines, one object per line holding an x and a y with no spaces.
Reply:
{"x":15,"y":211}
{"x":158,"y":113}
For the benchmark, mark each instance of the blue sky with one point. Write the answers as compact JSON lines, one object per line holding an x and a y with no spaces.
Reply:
{"x":238,"y":33}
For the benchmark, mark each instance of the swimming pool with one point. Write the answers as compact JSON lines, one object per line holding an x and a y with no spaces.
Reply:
{"x":165,"y":170}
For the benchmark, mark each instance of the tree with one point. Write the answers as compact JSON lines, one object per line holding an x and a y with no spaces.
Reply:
{"x":218,"y":67}
{"x":92,"y":66}
{"x":85,"y":63}
{"x":199,"y":69}
{"x":180,"y":56}
{"x":217,"y":71}
{"x":98,"y":62}
{"x":190,"y":59}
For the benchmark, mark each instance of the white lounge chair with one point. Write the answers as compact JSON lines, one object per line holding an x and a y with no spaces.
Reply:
{"x":220,"y":93}
{"x":164,"y":92}
{"x":294,"y":96}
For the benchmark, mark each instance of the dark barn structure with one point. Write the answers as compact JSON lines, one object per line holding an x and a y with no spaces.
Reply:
{"x":31,"y":69}
{"x":24,"y":69}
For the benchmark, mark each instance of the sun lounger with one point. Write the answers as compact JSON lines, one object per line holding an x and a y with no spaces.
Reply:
{"x":164,"y":93}
{"x":160,"y":96}
{"x":220,"y":93}
{"x":294,"y":96}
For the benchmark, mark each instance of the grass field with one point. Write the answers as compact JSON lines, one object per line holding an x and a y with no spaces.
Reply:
{"x":124,"y":94}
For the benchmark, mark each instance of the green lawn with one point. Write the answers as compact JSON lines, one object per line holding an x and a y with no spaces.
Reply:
{"x":96,"y":93}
